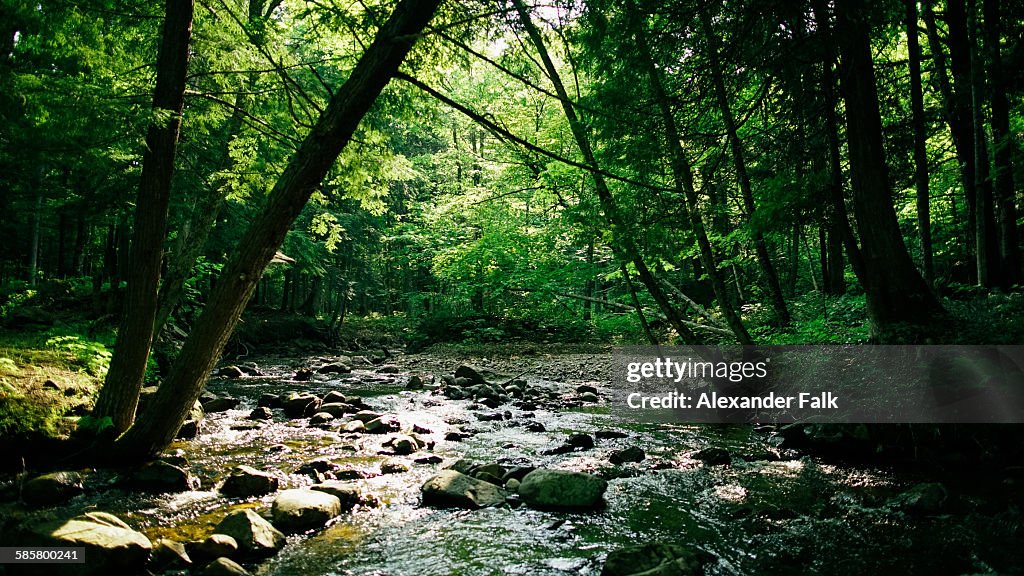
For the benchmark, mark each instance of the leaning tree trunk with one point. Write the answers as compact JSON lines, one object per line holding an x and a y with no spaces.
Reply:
{"x":924,"y":220}
{"x":764,"y":259}
{"x":120,"y":394}
{"x":623,"y":246}
{"x":895,"y":291}
{"x":156,"y":427}
{"x":683,"y":179}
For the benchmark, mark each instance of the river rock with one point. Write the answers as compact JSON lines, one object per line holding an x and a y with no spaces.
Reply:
{"x":581,"y":441}
{"x":610,"y":434}
{"x":302,"y":375}
{"x":470,"y":373}
{"x":220,"y":404}
{"x":300,"y":510}
{"x":160,"y":476}
{"x":347,"y":493}
{"x":247,"y":481}
{"x":655,"y":559}
{"x":388,"y":369}
{"x":111,"y":546}
{"x":223,"y":567}
{"x":189,"y":430}
{"x":585,"y":388}
{"x":631,"y":454}
{"x":393,"y":467}
{"x":168,"y":554}
{"x":52,"y":488}
{"x":229,"y":372}
{"x":713,"y":456}
{"x":215,"y":546}
{"x":453,"y":489}
{"x":562,"y":490}
{"x":589,"y":397}
{"x":535,"y":427}
{"x":260,"y":413}
{"x":297,"y":405}
{"x":334,"y":368}
{"x":380,"y":426}
{"x":402,"y":445}
{"x":336,"y":409}
{"x":354,"y":426}
{"x":321,"y":418}
{"x":256,"y":537}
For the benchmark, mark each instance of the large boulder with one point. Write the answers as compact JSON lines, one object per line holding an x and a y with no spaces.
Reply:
{"x":453,"y":489}
{"x":215,"y":546}
{"x":160,"y":476}
{"x":301,"y":509}
{"x":220,"y":404}
{"x":297,"y":405}
{"x":655,"y":559}
{"x":470,"y":373}
{"x":111,"y":546}
{"x":347,"y":493}
{"x":247,"y":481}
{"x":255,"y":536}
{"x":52,"y":488}
{"x":562,"y":490}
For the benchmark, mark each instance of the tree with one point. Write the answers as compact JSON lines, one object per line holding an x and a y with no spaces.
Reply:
{"x":119,"y":396}
{"x":895,"y":291}
{"x":307,"y":168}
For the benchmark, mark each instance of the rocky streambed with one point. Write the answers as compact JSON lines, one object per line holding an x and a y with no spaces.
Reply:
{"x":509,"y":464}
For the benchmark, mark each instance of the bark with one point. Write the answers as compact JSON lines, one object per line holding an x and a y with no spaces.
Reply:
{"x":682,"y":173}
{"x":636,"y":305}
{"x":961,"y":110}
{"x":1002,"y":148}
{"x":985,"y":227}
{"x":120,"y":393}
{"x":623,"y":244}
{"x":895,"y":291}
{"x":924,"y":221}
{"x":307,"y":168}
{"x":838,"y":218}
{"x":37,"y":218}
{"x":81,"y":239}
{"x":764,"y":259}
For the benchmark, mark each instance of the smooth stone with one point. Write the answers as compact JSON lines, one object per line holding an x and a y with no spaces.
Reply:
{"x":111,"y":547}
{"x":450,"y":488}
{"x":247,"y":481}
{"x":631,"y":454}
{"x":159,"y":476}
{"x":301,"y":509}
{"x":52,"y":488}
{"x":562,"y":490}
{"x":224,"y":567}
{"x":256,"y":537}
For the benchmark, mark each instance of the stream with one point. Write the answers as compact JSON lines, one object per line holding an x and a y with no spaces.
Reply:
{"x":770,"y":511}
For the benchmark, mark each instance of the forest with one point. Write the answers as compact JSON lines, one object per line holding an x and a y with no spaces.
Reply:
{"x":213,"y":208}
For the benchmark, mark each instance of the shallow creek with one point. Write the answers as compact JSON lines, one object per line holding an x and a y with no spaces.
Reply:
{"x":770,"y":511}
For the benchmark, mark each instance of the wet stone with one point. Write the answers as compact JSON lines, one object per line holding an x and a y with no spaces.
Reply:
{"x":247,"y":481}
{"x":713,"y":456}
{"x":451,"y":488}
{"x":631,"y":454}
{"x":301,"y":509}
{"x":223,"y":567}
{"x":52,"y":488}
{"x":260,"y":413}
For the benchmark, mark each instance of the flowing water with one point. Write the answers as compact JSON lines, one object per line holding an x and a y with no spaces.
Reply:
{"x":770,"y":511}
